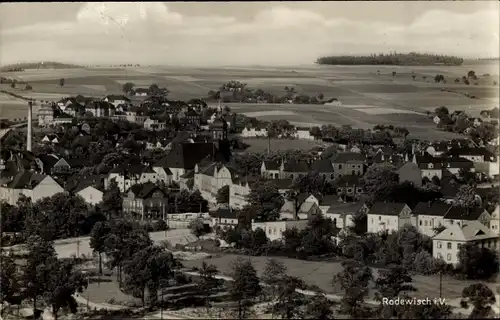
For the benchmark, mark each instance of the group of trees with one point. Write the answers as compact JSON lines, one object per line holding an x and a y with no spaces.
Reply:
{"x":43,"y":279}
{"x":153,"y":90}
{"x":404,"y":59}
{"x":459,"y":122}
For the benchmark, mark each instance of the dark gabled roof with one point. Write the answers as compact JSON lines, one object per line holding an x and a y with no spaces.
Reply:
{"x":219,"y":123}
{"x":456,"y":152}
{"x":457,"y":162}
{"x":191,"y":113}
{"x":424,"y":160}
{"x":345,"y":157}
{"x":145,"y":190}
{"x":460,"y":213}
{"x":441,"y":146}
{"x":387,"y":208}
{"x":48,"y":160}
{"x":209,"y":170}
{"x":187,"y":155}
{"x":328,"y":200}
{"x":351,"y":207}
{"x":25,"y":180}
{"x":350,"y":180}
{"x":225,"y":213}
{"x":272,"y":165}
{"x":80,"y":183}
{"x":296,"y":166}
{"x":322,"y":165}
{"x":432,"y":208}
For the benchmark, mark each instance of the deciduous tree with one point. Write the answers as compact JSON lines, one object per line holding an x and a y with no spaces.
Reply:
{"x":223,"y":195}
{"x":319,"y":308}
{"x":245,"y":287}
{"x":481,"y":298}
{"x":98,"y":236}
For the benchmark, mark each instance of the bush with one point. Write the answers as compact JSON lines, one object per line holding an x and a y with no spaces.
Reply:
{"x":161,"y":225}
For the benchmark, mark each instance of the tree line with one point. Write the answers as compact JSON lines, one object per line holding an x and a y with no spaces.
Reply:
{"x":401,"y":59}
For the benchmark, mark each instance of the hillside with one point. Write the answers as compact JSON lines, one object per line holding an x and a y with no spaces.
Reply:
{"x":397,"y":59}
{"x":38,"y":65}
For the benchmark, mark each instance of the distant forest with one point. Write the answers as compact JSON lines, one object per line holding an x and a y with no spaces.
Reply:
{"x":37,"y":65}
{"x":397,"y":59}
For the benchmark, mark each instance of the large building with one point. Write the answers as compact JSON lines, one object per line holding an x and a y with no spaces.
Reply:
{"x":32,"y":185}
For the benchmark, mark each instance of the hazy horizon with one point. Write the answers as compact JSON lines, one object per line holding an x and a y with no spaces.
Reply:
{"x":242,"y":34}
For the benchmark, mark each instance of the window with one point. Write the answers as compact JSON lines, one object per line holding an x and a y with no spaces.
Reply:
{"x":420,"y":222}
{"x":379,"y":218}
{"x":334,"y":221}
{"x":449,"y":245}
{"x":340,"y":166}
{"x":275,"y":176}
{"x":332,"y":176}
{"x":359,"y":190}
{"x":439,"y":256}
{"x":439,"y":245}
{"x":353,"y":172}
{"x":349,"y":190}
{"x":291,"y":176}
{"x":448,"y":256}
{"x":430,"y":165}
{"x":425,"y":223}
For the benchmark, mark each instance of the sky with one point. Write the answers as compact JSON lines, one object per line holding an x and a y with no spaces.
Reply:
{"x":239,"y":33}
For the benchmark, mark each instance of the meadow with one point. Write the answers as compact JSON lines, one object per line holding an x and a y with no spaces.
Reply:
{"x":370,"y":95}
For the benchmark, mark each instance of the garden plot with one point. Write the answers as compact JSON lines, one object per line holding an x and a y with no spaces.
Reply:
{"x":258,"y":114}
{"x":96,"y":87}
{"x":183,"y":78}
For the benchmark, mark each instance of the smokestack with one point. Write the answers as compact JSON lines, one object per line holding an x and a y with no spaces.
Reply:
{"x":30,"y":126}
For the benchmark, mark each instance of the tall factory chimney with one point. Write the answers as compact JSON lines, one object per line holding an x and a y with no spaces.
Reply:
{"x":30,"y":126}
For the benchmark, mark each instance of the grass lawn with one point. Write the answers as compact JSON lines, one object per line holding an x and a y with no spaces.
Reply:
{"x":321,"y":273}
{"x":261,"y":145}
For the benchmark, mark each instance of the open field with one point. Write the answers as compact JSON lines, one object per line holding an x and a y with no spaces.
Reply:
{"x":385,"y":99}
{"x":321,"y":273}
{"x":261,"y":144}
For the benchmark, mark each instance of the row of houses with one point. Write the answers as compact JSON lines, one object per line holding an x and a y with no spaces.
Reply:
{"x":261,"y":132}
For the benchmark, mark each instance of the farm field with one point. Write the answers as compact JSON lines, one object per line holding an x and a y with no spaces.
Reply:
{"x":370,"y":94}
{"x":321,"y":273}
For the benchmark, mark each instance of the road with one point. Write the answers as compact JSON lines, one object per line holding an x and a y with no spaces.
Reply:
{"x":65,"y":248}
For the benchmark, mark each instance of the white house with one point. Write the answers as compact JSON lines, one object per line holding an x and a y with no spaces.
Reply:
{"x":342,"y":214}
{"x":164,"y":174}
{"x":91,"y":195}
{"x":253,"y":132}
{"x":116,"y":100}
{"x":51,"y":138}
{"x":459,"y":215}
{"x":388,"y":216}
{"x":154,"y":125}
{"x":446,"y":244}
{"x":33,"y":185}
{"x":274,"y":229}
{"x":224,"y":217}
{"x":303,"y":133}
{"x":128,"y":175}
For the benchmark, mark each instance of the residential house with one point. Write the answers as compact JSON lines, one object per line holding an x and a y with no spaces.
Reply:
{"x":476,"y":155}
{"x":350,"y":187}
{"x":295,"y":169}
{"x":209,"y":178}
{"x":141,"y":92}
{"x":250,"y":132}
{"x":430,"y":216}
{"x":271,"y":169}
{"x":184,"y":157}
{"x":495,"y":221}
{"x":389,"y":216}
{"x":348,"y":163}
{"x":192,"y":117}
{"x":127,"y":175}
{"x":301,"y":209}
{"x":342,"y":214}
{"x":53,"y":165}
{"x":274,"y":229}
{"x":100,"y":108}
{"x":224,"y":217}
{"x":147,"y":201}
{"x":154,"y":125}
{"x":455,"y":164}
{"x":446,"y":245}
{"x":324,"y":167}
{"x":164,"y":174}
{"x":219,"y":129}
{"x":410,"y":172}
{"x":90,"y":188}
{"x":429,"y":166}
{"x":460,"y":215}
{"x":116,"y":100}
{"x":303,"y":133}
{"x":282,"y":185}
{"x":46,"y":116}
{"x":61,"y":119}
{"x":33,"y":185}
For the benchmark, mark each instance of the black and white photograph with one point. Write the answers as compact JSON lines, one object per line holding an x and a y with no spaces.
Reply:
{"x":249,"y":160}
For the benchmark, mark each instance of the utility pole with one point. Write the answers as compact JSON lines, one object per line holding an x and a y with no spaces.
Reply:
{"x":78,"y":249}
{"x":440,"y":284}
